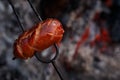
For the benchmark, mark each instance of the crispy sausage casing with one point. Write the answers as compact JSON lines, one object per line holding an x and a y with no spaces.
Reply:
{"x":38,"y":38}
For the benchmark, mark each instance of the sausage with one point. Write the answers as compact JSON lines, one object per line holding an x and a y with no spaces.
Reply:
{"x":39,"y":37}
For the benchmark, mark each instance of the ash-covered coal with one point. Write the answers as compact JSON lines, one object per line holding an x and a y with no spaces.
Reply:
{"x":76,"y":16}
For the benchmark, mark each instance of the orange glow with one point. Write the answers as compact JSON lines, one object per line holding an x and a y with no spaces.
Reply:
{"x":103,"y":37}
{"x":83,"y":38}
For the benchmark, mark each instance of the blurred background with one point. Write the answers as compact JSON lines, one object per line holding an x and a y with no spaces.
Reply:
{"x":90,"y":47}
